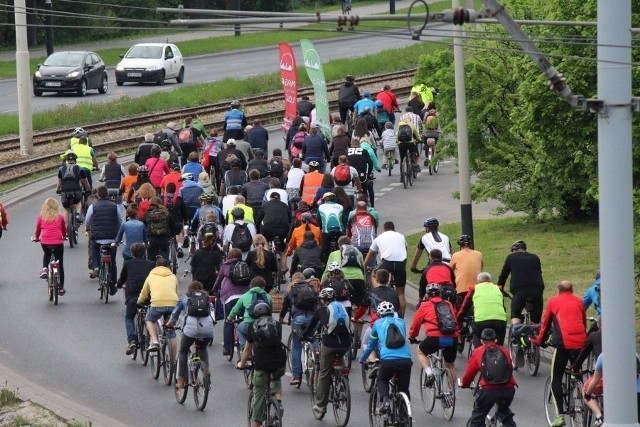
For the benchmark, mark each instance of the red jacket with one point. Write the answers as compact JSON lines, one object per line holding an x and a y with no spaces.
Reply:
{"x":426,"y":314}
{"x":389,"y":100}
{"x":567,"y":319}
{"x":5,"y":217}
{"x":474,"y":364}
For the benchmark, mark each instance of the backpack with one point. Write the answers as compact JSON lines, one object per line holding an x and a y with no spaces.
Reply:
{"x":276,"y":168}
{"x":338,"y":319}
{"x":241,"y":237}
{"x":241,"y":274}
{"x":304,"y":296}
{"x":185,"y":136}
{"x":257,"y":298}
{"x":405,"y":134}
{"x":339,"y":288}
{"x":298,"y":139}
{"x":69,"y":174}
{"x":351,"y":257}
{"x":495,"y":368}
{"x":160,"y":136}
{"x":208,"y":228}
{"x":158,"y":224}
{"x":446,"y":319}
{"x":395,"y":338}
{"x":267,"y":332}
{"x":198,"y":305}
{"x":342,"y":174}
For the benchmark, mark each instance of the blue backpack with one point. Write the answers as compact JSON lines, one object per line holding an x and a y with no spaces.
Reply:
{"x":257,"y":298}
{"x":338,"y":319}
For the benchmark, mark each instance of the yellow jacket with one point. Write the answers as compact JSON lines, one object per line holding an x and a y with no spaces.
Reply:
{"x":162,"y":285}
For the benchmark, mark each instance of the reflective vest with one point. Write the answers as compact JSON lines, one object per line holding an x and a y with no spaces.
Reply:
{"x":85,"y":160}
{"x":233,"y":119}
{"x":425,"y":93}
{"x":488,"y":303}
{"x":310,"y":184}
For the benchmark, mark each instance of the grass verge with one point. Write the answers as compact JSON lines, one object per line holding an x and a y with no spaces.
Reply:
{"x":8,"y":396}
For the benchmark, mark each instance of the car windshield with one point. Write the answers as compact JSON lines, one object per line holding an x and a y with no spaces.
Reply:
{"x":145,"y":52}
{"x":65,"y":59}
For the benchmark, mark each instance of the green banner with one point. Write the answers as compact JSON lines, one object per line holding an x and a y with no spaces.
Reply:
{"x":313,"y":65}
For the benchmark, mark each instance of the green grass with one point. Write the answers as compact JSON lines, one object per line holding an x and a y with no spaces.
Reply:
{"x":8,"y":396}
{"x":21,"y":421}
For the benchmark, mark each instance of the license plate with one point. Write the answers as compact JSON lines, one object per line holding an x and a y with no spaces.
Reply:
{"x":53,"y":84}
{"x":134,"y":74}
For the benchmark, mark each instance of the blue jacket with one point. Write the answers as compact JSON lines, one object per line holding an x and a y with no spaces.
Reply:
{"x":379,"y":339}
{"x":190,"y":193}
{"x":315,"y":148}
{"x":592,"y":296}
{"x":233,"y":119}
{"x":193,"y":168}
{"x":135,"y":231}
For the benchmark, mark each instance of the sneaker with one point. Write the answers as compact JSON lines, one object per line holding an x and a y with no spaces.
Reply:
{"x":153,"y":346}
{"x":429,"y":380}
{"x":131,"y":348}
{"x":320,"y":411}
{"x":44,"y":273}
{"x":113,"y":290}
{"x":226,"y":352}
{"x":185,"y":242}
{"x":95,"y":273}
{"x":558,"y":421}
{"x":598,"y":421}
{"x":180,"y":253}
{"x":295,"y":381}
{"x":61,"y":292}
{"x":383,"y":408}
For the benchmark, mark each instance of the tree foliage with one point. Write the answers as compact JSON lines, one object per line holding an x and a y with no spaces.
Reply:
{"x":528,"y":148}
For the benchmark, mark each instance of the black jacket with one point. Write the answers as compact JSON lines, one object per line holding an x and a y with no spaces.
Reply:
{"x":105,"y":221}
{"x":143,"y":153}
{"x":205,"y":265}
{"x":134,"y":273}
{"x":308,"y":254}
{"x":525,"y":270}
{"x":348,"y":95}
{"x":275,"y":216}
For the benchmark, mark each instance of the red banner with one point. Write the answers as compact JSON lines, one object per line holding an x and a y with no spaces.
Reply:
{"x":289,"y":78}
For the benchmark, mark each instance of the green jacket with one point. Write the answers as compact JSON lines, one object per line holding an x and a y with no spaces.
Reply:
{"x":488,"y":303}
{"x":244,"y":303}
{"x":350,"y":273}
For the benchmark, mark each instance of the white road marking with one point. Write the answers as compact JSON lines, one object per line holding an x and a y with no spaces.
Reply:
{"x":386,"y":189}
{"x":395,"y":184}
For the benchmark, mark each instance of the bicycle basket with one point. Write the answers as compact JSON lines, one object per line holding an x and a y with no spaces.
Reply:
{"x":276,"y":300}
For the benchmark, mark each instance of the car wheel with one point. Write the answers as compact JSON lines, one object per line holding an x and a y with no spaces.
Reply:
{"x":119,"y":83}
{"x":105,"y":85}
{"x":180,"y":77}
{"x":37,"y":92}
{"x":160,"y":81}
{"x":82,"y":88}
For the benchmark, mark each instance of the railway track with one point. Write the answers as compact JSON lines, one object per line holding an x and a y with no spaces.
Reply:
{"x":51,"y":161}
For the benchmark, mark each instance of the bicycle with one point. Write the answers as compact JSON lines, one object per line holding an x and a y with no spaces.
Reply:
{"x":236,"y":341}
{"x":53,"y":275}
{"x":308,"y":358}
{"x":164,"y":358}
{"x":104,"y":275}
{"x":142,"y":334}
{"x":431,"y":160}
{"x":492,"y":420}
{"x":574,"y":405}
{"x":273,"y":247}
{"x":406,"y":171}
{"x":466,"y":333}
{"x":531,"y":351}
{"x":443,"y":388}
{"x":173,"y":254}
{"x":390,"y":160}
{"x":399,"y":413}
{"x":355,"y":338}
{"x":273,"y":410}
{"x":339,"y":392}
{"x":72,"y":224}
{"x":199,"y":377}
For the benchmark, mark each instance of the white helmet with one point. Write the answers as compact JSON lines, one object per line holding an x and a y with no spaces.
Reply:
{"x":334,"y":266}
{"x":385,"y":308}
{"x":78,"y":131}
{"x":326,"y":294}
{"x":186,"y":177}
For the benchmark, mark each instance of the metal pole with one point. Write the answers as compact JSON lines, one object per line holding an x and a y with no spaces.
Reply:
{"x":236,"y":27}
{"x":616,"y":212}
{"x":23,"y":79}
{"x":49,"y":8}
{"x":466,"y":215}
{"x":392,"y":7}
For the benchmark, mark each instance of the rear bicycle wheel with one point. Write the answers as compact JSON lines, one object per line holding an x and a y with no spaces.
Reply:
{"x":308,"y":362}
{"x":144,"y":343}
{"x":50,"y":287}
{"x":578,"y":409}
{"x":136,"y":324}
{"x":106,"y":285}
{"x":367,"y":383}
{"x":156,"y":363}
{"x":201,"y":385}
{"x":274,"y":413}
{"x":55,"y":287}
{"x":341,"y":401}
{"x":403,"y":410}
{"x":448,"y":388}
{"x":375,"y":419}
{"x":549,"y":406}
{"x":71,"y":225}
{"x":290,"y":352}
{"x":533,"y":360}
{"x":403,"y":174}
{"x":427,"y":394}
{"x":167,"y":363}
{"x":181,"y":393}
{"x":513,"y":349}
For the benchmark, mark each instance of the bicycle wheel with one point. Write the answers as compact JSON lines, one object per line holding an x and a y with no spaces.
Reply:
{"x":274,"y":413}
{"x":355,"y":344}
{"x":167,"y":363}
{"x":248,"y":377}
{"x":50,"y":287}
{"x":201,"y":380}
{"x":448,"y":400}
{"x":156,"y":363}
{"x":70,"y":228}
{"x":409,"y":170}
{"x":314,"y":387}
{"x":533,"y":360}
{"x":436,"y":165}
{"x":427,"y":394}
{"x":403,"y":174}
{"x":375,"y":419}
{"x":290,"y":352}
{"x":55,"y":287}
{"x":577,"y":408}
{"x":549,"y":405}
{"x":136,"y":324}
{"x":105,"y":285}
{"x":403,"y":410}
{"x":513,"y":349}
{"x":101,"y":279}
{"x":181,"y":393}
{"x":341,"y":401}
{"x":230,"y":355}
{"x":367,"y":383}
{"x":144,"y":343}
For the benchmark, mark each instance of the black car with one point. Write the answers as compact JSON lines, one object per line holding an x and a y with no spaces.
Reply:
{"x":71,"y":72}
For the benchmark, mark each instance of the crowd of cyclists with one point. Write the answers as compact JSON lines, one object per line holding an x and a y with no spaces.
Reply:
{"x":285,"y":234}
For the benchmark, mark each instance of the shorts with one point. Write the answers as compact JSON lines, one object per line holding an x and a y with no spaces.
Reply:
{"x":519,"y":301}
{"x":271,"y":234}
{"x":156,"y":313}
{"x":430,"y":345}
{"x":407,"y":147}
{"x":359,"y":292}
{"x":67,"y":198}
{"x":398,"y":269}
{"x":596,"y":391}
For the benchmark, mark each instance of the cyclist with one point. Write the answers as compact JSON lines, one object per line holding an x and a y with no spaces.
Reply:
{"x":274,"y":222}
{"x":432,"y":239}
{"x":565,"y":318}
{"x":192,"y":329}
{"x":593,"y":386}
{"x":71,"y":181}
{"x":364,"y":102}
{"x":243,"y":239}
{"x":389,"y":102}
{"x":336,"y":341}
{"x":134,"y":230}
{"x":526,"y":282}
{"x":245,"y":304}
{"x":490,"y":393}
{"x":392,"y":247}
{"x":51,"y":229}
{"x":330,"y":220}
{"x":248,"y":211}
{"x":389,"y":142}
{"x":269,"y":363}
{"x":234,"y":177}
{"x":193,"y":166}
{"x":348,"y":95}
{"x":339,"y":145}
{"x":86,"y":157}
{"x":408,"y":138}
{"x":315,"y":148}
{"x":225,"y":157}
{"x":208,"y":205}
{"x":362,"y":227}
{"x":435,"y":339}
{"x":161,"y":288}
{"x":263,"y":262}
{"x":112,"y":174}
{"x":487,"y":301}
{"x":311,"y":181}
{"x":234,"y":122}
{"x":441,"y":273}
{"x":346,"y":177}
{"x":297,"y":235}
{"x":592,"y":296}
{"x":206,"y":260}
{"x":160,"y":229}
{"x":190,"y":193}
{"x":143,"y":152}
{"x":134,"y":273}
{"x":593,"y":345}
{"x":158,"y":167}
{"x":308,"y":255}
{"x":259,"y":162}
{"x":467,"y":263}
{"x":76,"y":135}
{"x":393,"y":351}
{"x":169,"y":156}
{"x":342,"y":288}
{"x":254,"y":191}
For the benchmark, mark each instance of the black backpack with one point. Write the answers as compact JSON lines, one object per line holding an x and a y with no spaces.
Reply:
{"x":241,"y":237}
{"x":198,"y":305}
{"x":395,"y":339}
{"x":405,"y":133}
{"x":268,"y":333}
{"x":446,"y":319}
{"x":304,"y":297}
{"x":340,"y":289}
{"x":241,"y":273}
{"x":160,"y":136}
{"x":495,"y":368}
{"x":276,"y":168}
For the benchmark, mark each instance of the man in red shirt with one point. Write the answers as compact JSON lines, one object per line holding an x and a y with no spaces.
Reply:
{"x":441,"y":273}
{"x":389,"y":102}
{"x":173,"y":176}
{"x":492,"y":392}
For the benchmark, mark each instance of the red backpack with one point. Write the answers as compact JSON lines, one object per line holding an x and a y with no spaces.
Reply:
{"x":342,"y":174}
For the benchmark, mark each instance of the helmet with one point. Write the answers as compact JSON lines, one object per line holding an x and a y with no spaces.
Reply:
{"x":186,"y":177}
{"x":206,"y":197}
{"x":379,"y":104}
{"x":166,"y":145}
{"x":175,"y":166}
{"x":488,"y":334}
{"x":327,"y":294}
{"x":431,"y":222}
{"x":258,"y":152}
{"x":143,"y":170}
{"x":518,"y":244}
{"x":349,"y":78}
{"x":309,"y":273}
{"x":328,"y":196}
{"x":261,"y":309}
{"x":235,"y":103}
{"x":385,"y":308}
{"x":70,"y":155}
{"x":465,"y":240}
{"x":306,"y":218}
{"x":79,"y":131}
{"x":314,"y":164}
{"x":237,"y":213}
{"x":155,"y":150}
{"x":433,"y":289}
{"x":334,"y":266}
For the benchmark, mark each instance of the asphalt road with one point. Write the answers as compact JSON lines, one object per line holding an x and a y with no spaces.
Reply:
{"x":75,"y":351}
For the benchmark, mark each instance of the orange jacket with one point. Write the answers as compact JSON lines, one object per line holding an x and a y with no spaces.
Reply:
{"x":297,"y":236}
{"x":310,"y":184}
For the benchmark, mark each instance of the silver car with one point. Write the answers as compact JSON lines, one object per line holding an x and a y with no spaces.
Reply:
{"x":150,"y":62}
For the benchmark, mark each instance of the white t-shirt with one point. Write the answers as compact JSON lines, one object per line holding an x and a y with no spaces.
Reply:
{"x":227,"y":203}
{"x":391,"y":246}
{"x":427,"y":242}
{"x":349,"y":189}
{"x":228,"y":232}
{"x":294,"y":178}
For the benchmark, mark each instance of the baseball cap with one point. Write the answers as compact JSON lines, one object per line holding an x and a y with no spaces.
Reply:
{"x":231,"y":141}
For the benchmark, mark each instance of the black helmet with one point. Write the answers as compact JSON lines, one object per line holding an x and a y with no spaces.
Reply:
{"x":156,"y":150}
{"x":433,"y":289}
{"x":465,"y":240}
{"x":349,"y":78}
{"x":309,"y":273}
{"x":166,"y":145}
{"x":258,"y":152}
{"x":431,"y":222}
{"x":488,"y":334}
{"x":71,"y":156}
{"x":238,"y":213}
{"x":235,"y":103}
{"x":518,"y":244}
{"x":261,"y":309}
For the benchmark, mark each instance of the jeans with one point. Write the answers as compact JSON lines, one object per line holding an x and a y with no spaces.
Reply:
{"x":484,"y":402}
{"x":260,"y":379}
{"x":227,"y":333}
{"x":243,"y":330}
{"x":129,"y":319}
{"x":327,"y":358}
{"x":298,"y":325}
{"x":95,"y":255}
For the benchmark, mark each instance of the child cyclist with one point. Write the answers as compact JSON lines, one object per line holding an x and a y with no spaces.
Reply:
{"x":389,"y":141}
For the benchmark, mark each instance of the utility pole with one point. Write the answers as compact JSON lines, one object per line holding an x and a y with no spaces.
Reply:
{"x":23,"y":79}
{"x":466,"y":214}
{"x":236,"y":27}
{"x":392,"y":7}
{"x":49,"y":8}
{"x":616,"y":211}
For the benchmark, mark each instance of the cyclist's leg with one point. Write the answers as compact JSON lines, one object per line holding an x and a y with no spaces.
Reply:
{"x":185,"y":343}
{"x":113,"y":250}
{"x":428,"y":346}
{"x":260,"y":379}
{"x":275,"y":385}
{"x":370,"y":192}
{"x":58,"y":251}
{"x":385,"y":373}
{"x":129,"y":319}
{"x":66,"y":203}
{"x":403,"y":372}
{"x":558,"y":364}
{"x":517,"y":305}
{"x":593,"y":404}
{"x":449,"y":355}
{"x":228,"y":327}
{"x":399,"y":270}
{"x":171,"y":333}
{"x":504,"y":403}
{"x":538,"y":303}
{"x":297,"y":327}
{"x":243,"y":328}
{"x":95,"y":255}
{"x":327,"y":356}
{"x":46,"y":255}
{"x":485,"y":400}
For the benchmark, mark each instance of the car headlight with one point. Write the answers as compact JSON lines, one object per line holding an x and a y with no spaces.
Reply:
{"x":73,"y":74}
{"x":119,"y":68}
{"x":38,"y":75}
{"x":152,"y":67}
